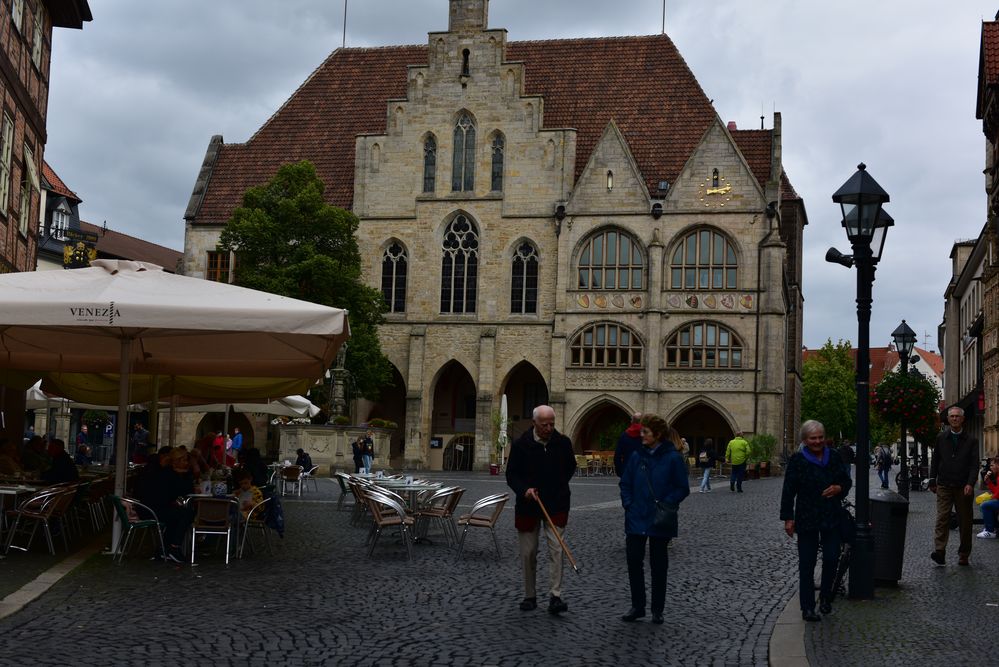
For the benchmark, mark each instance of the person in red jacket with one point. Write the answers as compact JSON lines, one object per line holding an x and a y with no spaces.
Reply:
{"x":629,"y":443}
{"x":990,"y":507}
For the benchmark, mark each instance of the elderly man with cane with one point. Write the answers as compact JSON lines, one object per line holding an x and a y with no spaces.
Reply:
{"x":539,"y":469}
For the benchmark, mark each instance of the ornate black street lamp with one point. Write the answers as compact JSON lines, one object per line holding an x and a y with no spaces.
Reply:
{"x":905,"y":341}
{"x":866,"y":226}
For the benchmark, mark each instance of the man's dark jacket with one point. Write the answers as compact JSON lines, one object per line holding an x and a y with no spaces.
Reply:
{"x":955,"y":459}
{"x":629,"y":443}
{"x":547,"y":468}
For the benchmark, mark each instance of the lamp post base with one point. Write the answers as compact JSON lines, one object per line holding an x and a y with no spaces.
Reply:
{"x":862,"y":565}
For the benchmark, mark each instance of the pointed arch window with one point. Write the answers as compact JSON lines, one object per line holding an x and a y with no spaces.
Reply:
{"x":703,"y":345}
{"x":524,"y":281}
{"x":430,"y":164}
{"x":714,"y":178}
{"x":605,"y":345}
{"x":611,"y":260}
{"x":463,"y":161}
{"x":497,"y":171}
{"x":395,"y":271}
{"x":704,"y":259}
{"x":459,"y":266}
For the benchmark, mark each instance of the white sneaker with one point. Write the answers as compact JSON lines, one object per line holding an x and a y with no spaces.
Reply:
{"x":987,"y":535}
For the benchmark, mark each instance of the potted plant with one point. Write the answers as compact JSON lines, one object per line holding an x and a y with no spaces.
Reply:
{"x":761,"y":448}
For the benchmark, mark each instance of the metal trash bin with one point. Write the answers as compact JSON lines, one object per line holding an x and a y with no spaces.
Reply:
{"x":889,"y":516}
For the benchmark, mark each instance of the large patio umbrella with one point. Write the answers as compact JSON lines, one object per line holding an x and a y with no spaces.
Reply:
{"x":119,"y":318}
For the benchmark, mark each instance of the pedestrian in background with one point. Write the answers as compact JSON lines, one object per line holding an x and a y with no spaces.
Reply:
{"x":990,"y":506}
{"x":953,"y":473}
{"x":706,"y":460}
{"x":882,"y":460}
{"x":629,"y":443}
{"x":737,"y":453}
{"x":356,"y":450}
{"x":368,"y":451}
{"x":655,"y":475}
{"x":540,"y":466}
{"x":815,"y":482}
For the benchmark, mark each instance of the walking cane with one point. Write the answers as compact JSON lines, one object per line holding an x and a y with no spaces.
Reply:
{"x":551,"y":526}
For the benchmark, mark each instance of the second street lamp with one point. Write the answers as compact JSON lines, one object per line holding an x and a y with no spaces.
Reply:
{"x":861,"y":199}
{"x":905,"y":341}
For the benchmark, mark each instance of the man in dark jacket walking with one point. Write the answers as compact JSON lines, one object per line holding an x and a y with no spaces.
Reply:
{"x":629,"y":443}
{"x":953,"y":473}
{"x":540,"y":466}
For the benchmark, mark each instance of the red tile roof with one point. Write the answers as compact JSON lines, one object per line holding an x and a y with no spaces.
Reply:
{"x":642,"y":83}
{"x":884,"y":359}
{"x":990,"y":52}
{"x":55,"y":183}
{"x":934,"y":360}
{"x":115,"y":245}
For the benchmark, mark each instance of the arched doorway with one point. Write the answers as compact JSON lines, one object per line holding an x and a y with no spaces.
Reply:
{"x":391,"y":406}
{"x":525,"y":389}
{"x":454,"y":405}
{"x":600,"y":428}
{"x":700,"y":422}
{"x":213,"y":422}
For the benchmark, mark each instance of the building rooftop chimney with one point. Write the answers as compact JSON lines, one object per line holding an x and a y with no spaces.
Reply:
{"x":732,"y":125}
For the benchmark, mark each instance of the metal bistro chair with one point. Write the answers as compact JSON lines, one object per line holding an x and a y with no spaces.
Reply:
{"x":344,"y":481}
{"x":484,"y":514}
{"x":38,"y":508}
{"x":255,"y":521}
{"x":291,"y":475}
{"x":582,"y":466}
{"x":308,"y":476}
{"x":439,"y":508}
{"x":387,"y":512}
{"x":213,"y":516}
{"x":133,"y":523}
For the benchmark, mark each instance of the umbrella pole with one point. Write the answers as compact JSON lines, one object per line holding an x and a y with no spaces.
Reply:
{"x":173,"y":418}
{"x":121,"y":435}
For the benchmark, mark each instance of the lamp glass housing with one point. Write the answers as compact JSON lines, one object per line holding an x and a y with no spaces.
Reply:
{"x":905,"y":340}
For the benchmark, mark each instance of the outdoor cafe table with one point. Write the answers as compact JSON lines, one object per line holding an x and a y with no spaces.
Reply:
{"x":15,"y":491}
{"x":408,"y":490}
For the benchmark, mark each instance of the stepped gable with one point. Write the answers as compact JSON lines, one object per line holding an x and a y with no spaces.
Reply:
{"x":642,"y":83}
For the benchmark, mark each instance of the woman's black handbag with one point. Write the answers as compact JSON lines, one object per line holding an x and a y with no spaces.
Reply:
{"x":665,"y":519}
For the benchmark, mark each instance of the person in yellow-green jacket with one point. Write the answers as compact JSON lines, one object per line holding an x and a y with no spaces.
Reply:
{"x":737,"y":453}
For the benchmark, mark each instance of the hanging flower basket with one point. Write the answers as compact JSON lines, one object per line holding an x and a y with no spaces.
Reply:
{"x":910,"y":398}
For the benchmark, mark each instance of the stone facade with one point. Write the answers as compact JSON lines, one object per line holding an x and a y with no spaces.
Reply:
{"x":564,"y":191}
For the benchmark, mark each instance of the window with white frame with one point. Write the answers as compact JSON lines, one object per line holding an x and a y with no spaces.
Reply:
{"x":17,"y":14}
{"x":29,"y":182}
{"x":36,"y":37}
{"x":6,"y":149}
{"x":60,"y":221}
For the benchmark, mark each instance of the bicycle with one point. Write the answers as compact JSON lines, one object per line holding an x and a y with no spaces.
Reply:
{"x":848,"y":530}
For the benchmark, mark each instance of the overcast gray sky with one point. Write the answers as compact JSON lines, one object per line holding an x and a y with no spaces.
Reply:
{"x":136,"y":95}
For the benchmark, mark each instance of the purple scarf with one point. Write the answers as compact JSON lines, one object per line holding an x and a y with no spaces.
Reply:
{"x":823,"y":462}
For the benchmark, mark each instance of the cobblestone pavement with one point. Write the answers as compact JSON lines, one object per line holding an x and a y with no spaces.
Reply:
{"x":936,"y":616}
{"x":318,"y":600}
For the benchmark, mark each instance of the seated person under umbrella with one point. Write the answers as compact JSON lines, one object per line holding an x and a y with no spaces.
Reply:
{"x":62,"y":469}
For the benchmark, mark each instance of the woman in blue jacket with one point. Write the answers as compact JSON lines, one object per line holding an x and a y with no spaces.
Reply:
{"x":655,"y":472}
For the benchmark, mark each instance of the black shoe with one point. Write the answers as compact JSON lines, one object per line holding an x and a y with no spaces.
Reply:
{"x":938,"y":558}
{"x":658,"y":618}
{"x":731,"y":487}
{"x":825,"y":607}
{"x":810,"y":616}
{"x":528,"y":604}
{"x":556,"y":606}
{"x":633,"y":615}
{"x":739,"y":490}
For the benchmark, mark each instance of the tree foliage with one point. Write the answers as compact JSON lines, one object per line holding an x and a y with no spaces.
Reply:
{"x":287,"y":240}
{"x":829,"y":392}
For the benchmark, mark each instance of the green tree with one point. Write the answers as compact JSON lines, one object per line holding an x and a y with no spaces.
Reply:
{"x":829,"y":391}
{"x":289,"y":241}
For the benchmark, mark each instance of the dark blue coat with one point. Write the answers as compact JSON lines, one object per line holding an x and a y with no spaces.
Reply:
{"x":664,"y":467}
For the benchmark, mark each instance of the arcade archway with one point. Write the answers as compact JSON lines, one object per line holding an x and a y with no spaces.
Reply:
{"x":391,"y":406}
{"x":525,"y":389}
{"x":600,"y":428}
{"x":700,"y":422}
{"x":454,"y":406}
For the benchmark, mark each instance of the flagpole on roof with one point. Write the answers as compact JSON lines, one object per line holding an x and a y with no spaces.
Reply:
{"x":344,"y":45}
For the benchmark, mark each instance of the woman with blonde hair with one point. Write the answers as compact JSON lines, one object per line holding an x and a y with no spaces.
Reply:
{"x":655,"y":478}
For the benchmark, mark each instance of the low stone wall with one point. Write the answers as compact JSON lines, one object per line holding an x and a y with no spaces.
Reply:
{"x":329,"y":446}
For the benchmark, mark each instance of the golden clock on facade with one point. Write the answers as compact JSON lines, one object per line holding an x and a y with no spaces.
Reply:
{"x":714,"y":191}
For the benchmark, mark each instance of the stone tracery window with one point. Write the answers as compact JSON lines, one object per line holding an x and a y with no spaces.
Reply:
{"x":430,"y":164}
{"x":524,"y":280}
{"x":499,"y":143}
{"x":605,"y":345}
{"x":611,"y":260}
{"x":463,"y":160}
{"x":395,"y":271}
{"x":703,"y":345}
{"x":704,"y":259}
{"x":459,"y":266}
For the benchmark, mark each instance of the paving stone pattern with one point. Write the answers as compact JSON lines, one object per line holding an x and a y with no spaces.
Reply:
{"x":936,"y":616}
{"x":318,"y":600}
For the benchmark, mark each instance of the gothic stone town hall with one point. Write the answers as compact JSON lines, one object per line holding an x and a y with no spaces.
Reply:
{"x":565,"y":221}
